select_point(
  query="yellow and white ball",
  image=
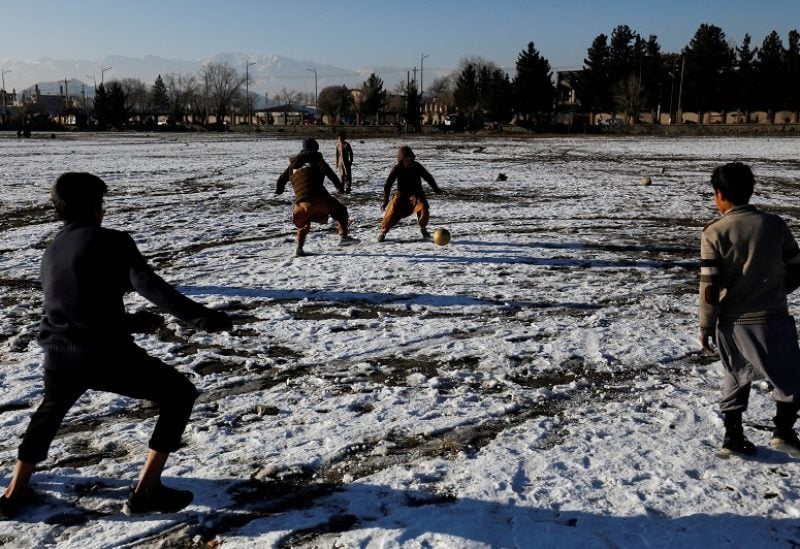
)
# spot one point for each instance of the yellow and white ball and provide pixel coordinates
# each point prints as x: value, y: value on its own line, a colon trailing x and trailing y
x: 441, y: 236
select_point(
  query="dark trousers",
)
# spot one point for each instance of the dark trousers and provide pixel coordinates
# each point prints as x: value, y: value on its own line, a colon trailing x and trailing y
x: 132, y: 373
x: 759, y: 351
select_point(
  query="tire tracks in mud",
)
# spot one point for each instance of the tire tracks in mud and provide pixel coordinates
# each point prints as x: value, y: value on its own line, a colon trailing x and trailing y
x: 270, y: 493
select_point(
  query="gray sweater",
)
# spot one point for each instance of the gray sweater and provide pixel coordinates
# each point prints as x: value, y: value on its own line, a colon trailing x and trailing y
x: 749, y: 263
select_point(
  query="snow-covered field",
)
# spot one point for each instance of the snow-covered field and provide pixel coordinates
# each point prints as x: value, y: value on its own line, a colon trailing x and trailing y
x: 535, y: 383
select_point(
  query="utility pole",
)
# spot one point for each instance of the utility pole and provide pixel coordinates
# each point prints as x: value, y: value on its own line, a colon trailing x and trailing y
x: 3, y: 73
x: 316, y: 95
x: 94, y: 79
x: 680, y: 91
x: 422, y: 58
x: 66, y: 98
x: 247, y: 66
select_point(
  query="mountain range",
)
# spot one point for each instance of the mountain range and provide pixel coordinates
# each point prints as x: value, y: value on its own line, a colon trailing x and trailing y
x: 268, y: 74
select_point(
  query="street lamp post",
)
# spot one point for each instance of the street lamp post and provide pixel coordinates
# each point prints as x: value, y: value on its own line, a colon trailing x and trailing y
x: 422, y: 57
x: 316, y: 95
x: 247, y: 90
x: 103, y: 73
x: 3, y: 73
x: 671, y: 94
x: 680, y: 91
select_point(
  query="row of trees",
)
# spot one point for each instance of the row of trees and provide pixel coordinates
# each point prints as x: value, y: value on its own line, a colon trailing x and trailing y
x: 480, y: 91
x: 213, y: 92
x: 623, y: 73
x: 628, y: 73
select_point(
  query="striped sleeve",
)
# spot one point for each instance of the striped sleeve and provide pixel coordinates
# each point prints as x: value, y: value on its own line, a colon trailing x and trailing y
x: 791, y: 257
x: 710, y: 275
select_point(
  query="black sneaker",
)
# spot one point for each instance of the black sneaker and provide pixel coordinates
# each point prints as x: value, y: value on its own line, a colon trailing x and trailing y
x: 737, y: 444
x: 347, y: 240
x: 160, y: 500
x: 425, y: 234
x: 381, y: 237
x: 10, y: 508
x: 786, y: 441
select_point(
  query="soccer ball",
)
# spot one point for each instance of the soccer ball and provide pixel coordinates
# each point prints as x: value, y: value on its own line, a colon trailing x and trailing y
x: 441, y: 236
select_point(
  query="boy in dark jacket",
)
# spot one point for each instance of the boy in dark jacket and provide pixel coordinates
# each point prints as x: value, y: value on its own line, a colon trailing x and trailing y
x: 749, y: 262
x: 85, y: 334
x: 410, y: 197
x: 312, y: 201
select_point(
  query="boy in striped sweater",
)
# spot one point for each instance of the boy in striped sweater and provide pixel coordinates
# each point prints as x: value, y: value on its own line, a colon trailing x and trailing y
x: 749, y: 263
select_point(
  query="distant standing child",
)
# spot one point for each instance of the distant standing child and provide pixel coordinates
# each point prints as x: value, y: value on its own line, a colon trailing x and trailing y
x: 749, y: 263
x: 85, y: 334
x: 344, y: 162
x: 410, y: 197
x: 312, y: 201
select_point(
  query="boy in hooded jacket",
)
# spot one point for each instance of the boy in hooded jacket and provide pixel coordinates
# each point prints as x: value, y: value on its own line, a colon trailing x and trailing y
x: 410, y: 196
x: 312, y: 201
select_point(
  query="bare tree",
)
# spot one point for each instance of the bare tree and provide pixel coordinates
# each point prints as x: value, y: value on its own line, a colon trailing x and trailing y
x: 287, y: 98
x: 180, y: 88
x: 193, y: 98
x: 222, y: 84
x: 442, y: 91
x: 136, y: 95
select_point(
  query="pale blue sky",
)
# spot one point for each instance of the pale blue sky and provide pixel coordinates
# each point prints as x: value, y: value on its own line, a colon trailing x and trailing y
x: 364, y: 33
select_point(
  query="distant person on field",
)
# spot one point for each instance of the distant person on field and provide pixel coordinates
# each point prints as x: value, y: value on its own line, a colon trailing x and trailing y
x: 410, y: 197
x: 312, y: 201
x: 344, y: 161
x: 749, y: 263
x: 85, y: 334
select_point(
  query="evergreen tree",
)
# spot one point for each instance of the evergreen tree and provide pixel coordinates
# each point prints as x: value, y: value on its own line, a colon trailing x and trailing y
x: 467, y: 93
x: 334, y: 101
x: 770, y: 73
x: 101, y: 107
x: 118, y: 106
x: 671, y: 66
x: 373, y: 96
x: 159, y: 99
x: 533, y: 88
x: 625, y: 50
x: 412, y: 113
x: 496, y: 94
x: 626, y: 58
x: 745, y: 75
x: 594, y: 81
x: 793, y: 71
x: 708, y: 79
x: 652, y: 76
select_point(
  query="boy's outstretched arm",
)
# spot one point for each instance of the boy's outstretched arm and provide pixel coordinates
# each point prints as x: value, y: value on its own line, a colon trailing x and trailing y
x: 156, y: 290
x: 328, y: 171
x: 429, y: 178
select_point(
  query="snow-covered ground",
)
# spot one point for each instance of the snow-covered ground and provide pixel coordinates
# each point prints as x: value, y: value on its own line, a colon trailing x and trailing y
x: 535, y: 383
